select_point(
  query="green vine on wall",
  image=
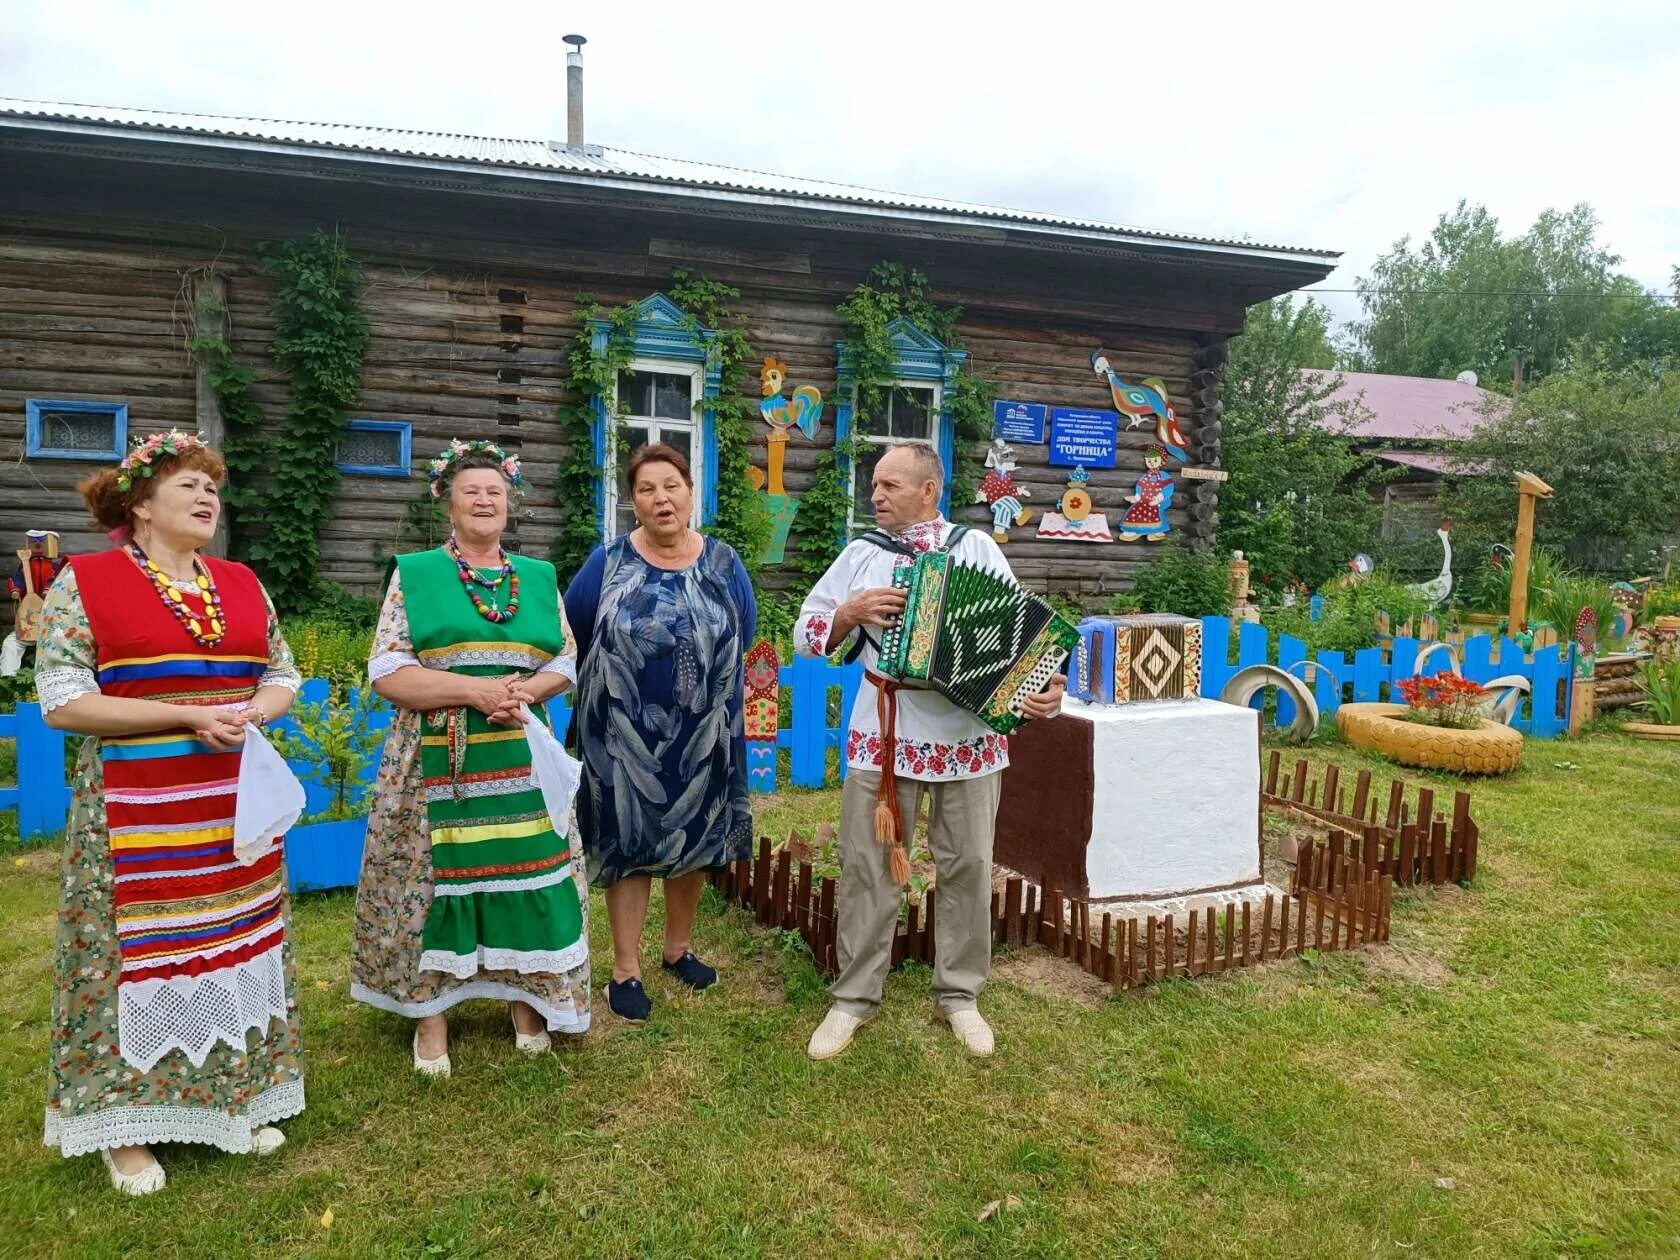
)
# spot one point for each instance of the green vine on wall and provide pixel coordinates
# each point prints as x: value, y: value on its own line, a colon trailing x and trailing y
x: 319, y: 338
x: 244, y: 446
x: 742, y: 519
x: 891, y: 292
x: 589, y: 375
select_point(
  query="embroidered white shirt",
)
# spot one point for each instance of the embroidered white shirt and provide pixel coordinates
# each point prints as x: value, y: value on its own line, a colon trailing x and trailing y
x: 935, y: 739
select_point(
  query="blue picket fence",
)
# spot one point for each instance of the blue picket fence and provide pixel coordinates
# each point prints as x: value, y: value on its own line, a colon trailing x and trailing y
x: 813, y: 685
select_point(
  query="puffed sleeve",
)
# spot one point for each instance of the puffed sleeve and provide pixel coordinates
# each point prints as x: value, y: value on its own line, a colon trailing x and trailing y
x: 282, y: 670
x: 392, y: 647
x: 65, y: 657
x: 816, y: 614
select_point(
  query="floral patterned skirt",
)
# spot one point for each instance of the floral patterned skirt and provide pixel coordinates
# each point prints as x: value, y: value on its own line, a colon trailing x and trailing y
x: 95, y: 1099
x: 395, y: 893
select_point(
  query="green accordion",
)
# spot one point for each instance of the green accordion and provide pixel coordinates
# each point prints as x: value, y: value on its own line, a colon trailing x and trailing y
x: 975, y: 637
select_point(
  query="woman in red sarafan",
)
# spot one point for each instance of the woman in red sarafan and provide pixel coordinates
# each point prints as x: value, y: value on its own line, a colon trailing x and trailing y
x: 175, y: 1013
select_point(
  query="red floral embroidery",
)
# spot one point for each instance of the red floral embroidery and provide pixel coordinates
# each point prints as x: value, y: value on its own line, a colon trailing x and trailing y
x: 815, y: 630
x: 924, y: 757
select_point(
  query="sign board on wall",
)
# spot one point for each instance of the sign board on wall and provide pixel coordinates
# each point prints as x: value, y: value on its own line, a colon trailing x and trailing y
x: 1019, y: 421
x: 1083, y: 437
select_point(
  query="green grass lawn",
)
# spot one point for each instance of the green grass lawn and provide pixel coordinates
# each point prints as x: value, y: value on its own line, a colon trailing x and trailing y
x: 1502, y: 1080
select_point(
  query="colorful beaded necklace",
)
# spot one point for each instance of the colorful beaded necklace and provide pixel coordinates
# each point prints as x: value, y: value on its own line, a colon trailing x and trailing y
x: 213, y: 626
x: 470, y: 578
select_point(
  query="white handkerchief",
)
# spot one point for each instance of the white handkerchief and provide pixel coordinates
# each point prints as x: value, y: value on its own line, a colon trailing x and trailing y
x: 556, y: 771
x: 270, y: 798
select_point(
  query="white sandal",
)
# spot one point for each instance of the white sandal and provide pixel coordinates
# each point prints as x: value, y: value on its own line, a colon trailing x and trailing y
x: 429, y: 1067
x: 530, y: 1043
x: 266, y: 1140
x: 146, y: 1181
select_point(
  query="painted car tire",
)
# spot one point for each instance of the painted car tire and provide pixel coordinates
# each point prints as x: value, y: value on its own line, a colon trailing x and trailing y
x: 1247, y: 683
x: 1491, y: 748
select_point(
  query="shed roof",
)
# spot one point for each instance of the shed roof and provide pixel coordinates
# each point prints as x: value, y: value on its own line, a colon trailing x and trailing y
x: 594, y: 163
x: 1411, y: 408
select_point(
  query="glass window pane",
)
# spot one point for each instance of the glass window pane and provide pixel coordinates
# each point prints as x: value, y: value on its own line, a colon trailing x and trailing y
x: 375, y: 448
x: 911, y: 409
x: 863, y: 470
x: 79, y: 430
x: 673, y: 396
x: 635, y: 393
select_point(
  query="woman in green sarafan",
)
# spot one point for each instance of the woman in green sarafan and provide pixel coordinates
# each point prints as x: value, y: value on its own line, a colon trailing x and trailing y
x: 467, y: 891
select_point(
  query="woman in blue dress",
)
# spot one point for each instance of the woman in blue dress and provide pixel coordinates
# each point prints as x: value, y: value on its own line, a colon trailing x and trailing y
x: 662, y: 617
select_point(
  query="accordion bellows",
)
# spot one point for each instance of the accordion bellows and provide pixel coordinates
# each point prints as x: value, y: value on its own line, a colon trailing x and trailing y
x: 1145, y: 656
x: 975, y: 637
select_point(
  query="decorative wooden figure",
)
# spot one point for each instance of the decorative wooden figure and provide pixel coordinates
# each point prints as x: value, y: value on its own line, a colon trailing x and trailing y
x: 1439, y: 587
x: 1075, y: 518
x: 38, y: 564
x: 1529, y: 488
x: 761, y: 715
x: 1150, y: 499
x: 999, y: 492
x: 804, y: 411
x: 1143, y: 403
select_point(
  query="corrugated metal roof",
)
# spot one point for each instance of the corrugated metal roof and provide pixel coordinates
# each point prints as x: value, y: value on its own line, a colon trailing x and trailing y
x: 1411, y: 408
x: 540, y: 156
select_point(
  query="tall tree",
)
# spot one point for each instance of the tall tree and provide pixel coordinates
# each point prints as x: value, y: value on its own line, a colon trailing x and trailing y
x: 1606, y: 438
x: 1468, y: 297
x: 1298, y: 503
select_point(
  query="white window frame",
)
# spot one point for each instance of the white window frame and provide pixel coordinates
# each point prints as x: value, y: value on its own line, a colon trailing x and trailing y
x: 936, y: 410
x: 656, y: 426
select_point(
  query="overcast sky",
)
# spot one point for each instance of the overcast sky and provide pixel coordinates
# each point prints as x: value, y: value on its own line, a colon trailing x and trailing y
x: 1335, y: 125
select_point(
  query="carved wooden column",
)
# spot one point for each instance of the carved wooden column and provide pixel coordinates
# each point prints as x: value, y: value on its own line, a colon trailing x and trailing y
x: 1205, y: 447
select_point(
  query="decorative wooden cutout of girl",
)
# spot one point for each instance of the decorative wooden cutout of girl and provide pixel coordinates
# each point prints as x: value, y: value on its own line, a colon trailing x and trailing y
x: 1147, y: 517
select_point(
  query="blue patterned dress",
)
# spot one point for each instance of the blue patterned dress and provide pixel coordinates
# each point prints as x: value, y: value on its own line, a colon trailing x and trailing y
x: 659, y: 711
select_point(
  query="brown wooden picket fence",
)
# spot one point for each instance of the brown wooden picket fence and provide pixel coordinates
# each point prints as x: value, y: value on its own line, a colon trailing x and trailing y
x: 1405, y: 839
x: 1336, y: 902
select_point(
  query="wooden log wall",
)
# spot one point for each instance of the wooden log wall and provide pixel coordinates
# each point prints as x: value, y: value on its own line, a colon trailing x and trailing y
x: 472, y: 314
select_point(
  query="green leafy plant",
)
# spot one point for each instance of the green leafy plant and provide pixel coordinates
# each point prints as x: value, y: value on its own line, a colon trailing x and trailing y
x: 1660, y: 601
x: 1349, y: 617
x: 1123, y: 602
x: 1660, y: 681
x: 319, y: 336
x: 244, y: 446
x: 1563, y: 601
x: 18, y: 688
x: 743, y: 520
x: 325, y: 647
x: 590, y: 374
x: 333, y: 746
x: 891, y: 291
x: 1189, y: 583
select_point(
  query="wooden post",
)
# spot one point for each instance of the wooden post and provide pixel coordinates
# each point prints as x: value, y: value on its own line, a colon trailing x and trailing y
x: 1529, y: 488
x: 210, y: 319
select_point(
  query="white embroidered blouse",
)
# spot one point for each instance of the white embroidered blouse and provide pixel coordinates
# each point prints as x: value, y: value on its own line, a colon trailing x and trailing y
x: 935, y: 739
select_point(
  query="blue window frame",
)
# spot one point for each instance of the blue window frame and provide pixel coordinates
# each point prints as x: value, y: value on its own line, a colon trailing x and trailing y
x: 669, y: 355
x: 375, y: 448
x: 56, y: 429
x: 923, y: 374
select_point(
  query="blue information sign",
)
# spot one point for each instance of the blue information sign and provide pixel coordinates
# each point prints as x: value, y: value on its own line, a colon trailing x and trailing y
x: 1019, y: 421
x: 1083, y: 437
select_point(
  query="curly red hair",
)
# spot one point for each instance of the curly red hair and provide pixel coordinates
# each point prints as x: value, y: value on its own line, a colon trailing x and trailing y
x: 113, y: 508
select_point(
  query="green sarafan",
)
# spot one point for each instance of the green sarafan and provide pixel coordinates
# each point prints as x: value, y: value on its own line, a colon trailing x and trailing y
x: 1496, y: 1081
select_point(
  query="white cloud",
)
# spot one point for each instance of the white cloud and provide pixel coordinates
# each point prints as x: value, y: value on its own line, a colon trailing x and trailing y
x: 1323, y: 124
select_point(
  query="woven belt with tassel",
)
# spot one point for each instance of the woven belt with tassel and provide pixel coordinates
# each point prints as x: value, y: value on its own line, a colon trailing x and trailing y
x: 889, y: 821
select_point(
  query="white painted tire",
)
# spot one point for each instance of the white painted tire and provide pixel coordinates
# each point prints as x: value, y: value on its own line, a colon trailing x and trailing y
x: 1508, y: 692
x: 1247, y: 683
x: 1429, y: 649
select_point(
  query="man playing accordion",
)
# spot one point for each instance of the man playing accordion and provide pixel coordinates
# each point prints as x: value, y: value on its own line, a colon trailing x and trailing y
x: 901, y: 742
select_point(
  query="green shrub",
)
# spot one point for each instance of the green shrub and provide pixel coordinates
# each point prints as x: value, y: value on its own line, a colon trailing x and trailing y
x: 1122, y: 603
x: 1562, y: 602
x: 326, y: 648
x: 1349, y: 618
x: 1189, y: 583
x: 1660, y: 601
x: 334, y: 745
x: 1660, y: 681
x: 17, y: 689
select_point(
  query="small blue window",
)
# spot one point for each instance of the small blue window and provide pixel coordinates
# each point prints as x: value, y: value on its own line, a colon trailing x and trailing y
x: 375, y: 448
x: 55, y: 429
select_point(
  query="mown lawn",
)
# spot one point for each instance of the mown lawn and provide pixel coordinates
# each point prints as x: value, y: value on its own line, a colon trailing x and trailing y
x: 1503, y: 1080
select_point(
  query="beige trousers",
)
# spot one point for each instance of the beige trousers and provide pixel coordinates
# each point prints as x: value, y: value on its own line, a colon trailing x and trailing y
x: 961, y: 816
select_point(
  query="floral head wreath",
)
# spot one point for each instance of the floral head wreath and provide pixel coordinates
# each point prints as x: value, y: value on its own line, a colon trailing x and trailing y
x: 509, y: 464
x: 138, y: 462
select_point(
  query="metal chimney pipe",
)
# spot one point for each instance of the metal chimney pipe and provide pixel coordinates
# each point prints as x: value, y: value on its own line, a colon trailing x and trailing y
x: 574, y: 90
